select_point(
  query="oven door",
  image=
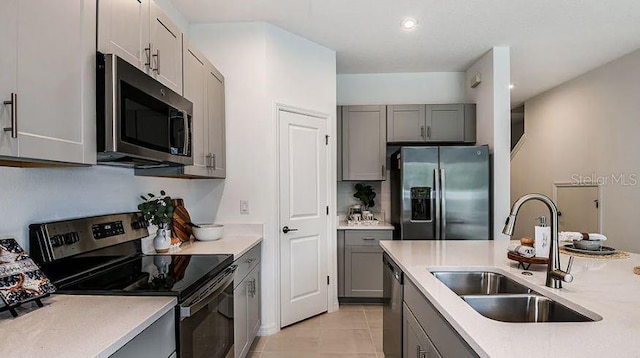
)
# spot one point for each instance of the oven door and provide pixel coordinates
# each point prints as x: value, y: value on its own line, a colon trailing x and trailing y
x: 206, y: 320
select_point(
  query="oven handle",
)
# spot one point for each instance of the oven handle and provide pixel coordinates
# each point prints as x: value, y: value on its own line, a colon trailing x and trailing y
x: 188, y: 311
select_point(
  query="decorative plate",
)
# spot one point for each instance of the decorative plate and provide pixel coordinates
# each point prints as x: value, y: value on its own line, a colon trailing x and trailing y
x: 20, y: 278
x: 604, y: 250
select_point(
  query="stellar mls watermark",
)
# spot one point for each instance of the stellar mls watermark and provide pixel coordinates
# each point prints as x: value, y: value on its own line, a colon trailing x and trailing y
x: 624, y: 179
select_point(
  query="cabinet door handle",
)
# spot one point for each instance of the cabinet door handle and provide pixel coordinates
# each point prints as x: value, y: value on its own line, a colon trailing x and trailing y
x: 368, y: 238
x: 429, y: 132
x: 383, y: 172
x: 13, y: 102
x: 147, y: 52
x: 157, y: 57
x: 253, y: 287
x: 420, y: 352
x: 213, y: 161
x: 422, y: 132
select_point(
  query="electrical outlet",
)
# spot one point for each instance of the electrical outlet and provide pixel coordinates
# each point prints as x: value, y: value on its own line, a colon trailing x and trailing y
x: 244, y: 207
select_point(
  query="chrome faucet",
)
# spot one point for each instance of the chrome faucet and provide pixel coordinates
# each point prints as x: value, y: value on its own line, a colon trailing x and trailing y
x: 555, y: 275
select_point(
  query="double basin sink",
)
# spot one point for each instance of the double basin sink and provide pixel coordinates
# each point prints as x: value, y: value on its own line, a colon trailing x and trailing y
x: 500, y: 298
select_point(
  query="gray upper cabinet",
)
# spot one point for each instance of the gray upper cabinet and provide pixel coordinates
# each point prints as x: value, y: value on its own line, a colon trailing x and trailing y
x: 124, y: 30
x: 418, y: 123
x: 216, y: 121
x: 364, y: 135
x: 406, y: 123
x: 445, y: 123
x: 49, y: 115
x: 140, y: 33
x: 339, y: 142
x: 204, y: 87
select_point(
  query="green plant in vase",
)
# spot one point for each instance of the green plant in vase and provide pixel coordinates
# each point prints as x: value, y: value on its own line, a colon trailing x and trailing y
x: 158, y: 210
x: 365, y: 194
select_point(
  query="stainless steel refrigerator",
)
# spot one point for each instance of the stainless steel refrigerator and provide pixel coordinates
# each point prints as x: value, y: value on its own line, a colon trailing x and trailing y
x: 441, y: 193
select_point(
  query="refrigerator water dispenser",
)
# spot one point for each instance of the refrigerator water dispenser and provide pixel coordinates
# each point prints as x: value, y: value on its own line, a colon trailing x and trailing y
x: 420, y: 203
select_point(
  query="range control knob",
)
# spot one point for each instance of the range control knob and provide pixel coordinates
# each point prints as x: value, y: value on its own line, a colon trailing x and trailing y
x: 56, y: 241
x: 139, y: 224
x: 68, y: 238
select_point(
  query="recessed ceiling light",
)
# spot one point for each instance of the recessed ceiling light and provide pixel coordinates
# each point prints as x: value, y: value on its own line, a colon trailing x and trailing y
x: 409, y: 24
x: 512, y: 86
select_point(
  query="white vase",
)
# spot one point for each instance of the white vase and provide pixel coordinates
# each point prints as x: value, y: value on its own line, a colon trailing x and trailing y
x: 162, y: 242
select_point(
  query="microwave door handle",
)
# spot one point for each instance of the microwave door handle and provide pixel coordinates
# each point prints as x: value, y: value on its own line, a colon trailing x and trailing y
x: 187, y: 137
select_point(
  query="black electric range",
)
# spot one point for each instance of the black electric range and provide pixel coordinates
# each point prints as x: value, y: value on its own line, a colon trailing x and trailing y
x: 102, y: 255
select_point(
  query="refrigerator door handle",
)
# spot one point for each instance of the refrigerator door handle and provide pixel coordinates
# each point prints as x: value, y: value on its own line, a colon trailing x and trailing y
x: 443, y: 202
x: 436, y: 180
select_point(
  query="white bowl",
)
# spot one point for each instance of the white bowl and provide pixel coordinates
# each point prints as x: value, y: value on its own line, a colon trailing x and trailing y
x: 208, y: 232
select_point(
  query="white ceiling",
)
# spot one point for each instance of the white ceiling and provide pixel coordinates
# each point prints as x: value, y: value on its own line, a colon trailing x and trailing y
x: 551, y: 40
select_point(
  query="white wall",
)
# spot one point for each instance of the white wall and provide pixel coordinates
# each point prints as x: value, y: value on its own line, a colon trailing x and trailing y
x: 493, y: 117
x: 36, y: 195
x: 264, y: 66
x: 401, y: 88
x: 585, y: 127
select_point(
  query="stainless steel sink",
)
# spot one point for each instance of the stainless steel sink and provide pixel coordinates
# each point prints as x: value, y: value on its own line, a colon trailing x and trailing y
x: 500, y: 298
x: 523, y: 308
x: 479, y: 283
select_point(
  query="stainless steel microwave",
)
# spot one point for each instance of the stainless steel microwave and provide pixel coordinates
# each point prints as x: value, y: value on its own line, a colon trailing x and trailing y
x: 140, y: 122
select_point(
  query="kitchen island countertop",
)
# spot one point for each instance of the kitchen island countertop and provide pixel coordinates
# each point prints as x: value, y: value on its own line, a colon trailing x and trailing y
x: 79, y: 326
x: 608, y: 288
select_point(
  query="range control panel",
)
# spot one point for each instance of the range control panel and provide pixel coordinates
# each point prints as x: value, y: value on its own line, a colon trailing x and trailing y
x: 60, y: 239
x: 104, y: 230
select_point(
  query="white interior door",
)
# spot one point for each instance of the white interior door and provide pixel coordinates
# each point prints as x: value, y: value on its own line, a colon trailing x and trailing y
x: 579, y: 208
x: 303, y: 202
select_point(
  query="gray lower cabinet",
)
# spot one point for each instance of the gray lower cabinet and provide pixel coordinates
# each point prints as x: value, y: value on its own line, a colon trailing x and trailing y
x: 455, y: 123
x: 157, y: 340
x: 415, y: 342
x: 364, y: 137
x: 428, y: 330
x: 246, y: 301
x: 360, y: 273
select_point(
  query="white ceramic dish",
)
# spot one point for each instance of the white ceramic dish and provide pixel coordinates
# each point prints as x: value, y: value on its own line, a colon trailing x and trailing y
x: 208, y: 232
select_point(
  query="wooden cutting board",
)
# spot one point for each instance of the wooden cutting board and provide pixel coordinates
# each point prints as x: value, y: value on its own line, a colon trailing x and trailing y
x: 179, y: 228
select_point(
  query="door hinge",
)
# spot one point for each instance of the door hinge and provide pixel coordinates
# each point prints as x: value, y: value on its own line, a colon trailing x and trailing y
x: 327, y: 210
x: 326, y: 139
x: 327, y: 280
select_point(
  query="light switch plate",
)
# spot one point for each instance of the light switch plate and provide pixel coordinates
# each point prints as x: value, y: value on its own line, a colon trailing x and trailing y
x: 244, y: 207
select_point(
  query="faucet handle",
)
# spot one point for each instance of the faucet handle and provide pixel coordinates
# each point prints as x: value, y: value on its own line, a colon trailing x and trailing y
x: 570, y: 265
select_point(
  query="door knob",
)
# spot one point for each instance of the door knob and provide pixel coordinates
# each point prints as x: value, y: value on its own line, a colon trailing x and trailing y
x: 286, y: 229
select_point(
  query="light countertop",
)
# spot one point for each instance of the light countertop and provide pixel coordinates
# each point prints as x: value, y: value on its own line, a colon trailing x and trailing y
x: 342, y: 225
x: 607, y: 288
x: 236, y: 240
x: 233, y: 245
x: 79, y: 326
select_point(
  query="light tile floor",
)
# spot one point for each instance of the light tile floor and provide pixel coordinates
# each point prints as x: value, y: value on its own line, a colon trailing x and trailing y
x: 354, y: 331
